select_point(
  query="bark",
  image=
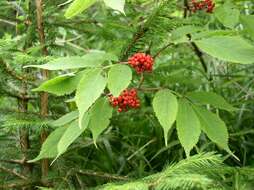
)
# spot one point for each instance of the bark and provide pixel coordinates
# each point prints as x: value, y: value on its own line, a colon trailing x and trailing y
x: 24, y: 139
x: 44, y: 73
x: 23, y: 108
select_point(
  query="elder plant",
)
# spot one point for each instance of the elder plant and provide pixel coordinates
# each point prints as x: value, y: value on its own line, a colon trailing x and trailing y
x: 102, y: 81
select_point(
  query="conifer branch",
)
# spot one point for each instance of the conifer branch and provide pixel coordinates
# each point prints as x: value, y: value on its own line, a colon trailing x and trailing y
x: 136, y: 37
x: 162, y: 49
x: 103, y: 175
x: 13, y: 172
x: 10, y: 71
x: 11, y: 161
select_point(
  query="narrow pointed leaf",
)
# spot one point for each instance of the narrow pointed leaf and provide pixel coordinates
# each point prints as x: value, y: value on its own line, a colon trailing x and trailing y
x: 90, y: 60
x: 71, y: 134
x: 89, y: 90
x: 67, y: 118
x: 248, y: 24
x: 213, y: 127
x: 116, y: 4
x: 188, y: 126
x: 210, y: 98
x: 49, y: 147
x: 228, y: 15
x: 61, y: 85
x: 228, y: 48
x: 100, y: 115
x: 77, y: 7
x: 165, y: 107
x: 119, y: 78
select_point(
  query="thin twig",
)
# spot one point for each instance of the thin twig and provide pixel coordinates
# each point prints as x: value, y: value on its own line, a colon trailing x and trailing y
x: 14, y: 75
x: 13, y: 173
x: 21, y: 184
x: 10, y: 71
x: 15, y: 95
x: 162, y: 49
x: 135, y: 39
x: 141, y: 81
x: 123, y: 62
x: 103, y: 175
x: 151, y: 89
x: 80, y: 182
x: 141, y: 148
x: 10, y: 19
x: 21, y: 162
x: 242, y: 133
x: 8, y: 22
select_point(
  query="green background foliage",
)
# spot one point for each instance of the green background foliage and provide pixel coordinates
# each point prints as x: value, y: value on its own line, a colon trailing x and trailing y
x: 59, y: 62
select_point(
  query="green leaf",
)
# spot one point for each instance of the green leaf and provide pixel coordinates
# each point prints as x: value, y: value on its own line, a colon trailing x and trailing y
x: 89, y: 90
x: 116, y: 4
x: 67, y: 118
x: 228, y: 15
x: 188, y: 126
x: 77, y: 7
x: 248, y: 24
x: 165, y: 107
x: 228, y: 48
x: 212, y: 33
x: 63, y: 63
x: 49, y: 147
x: 61, y: 85
x: 213, y: 127
x: 100, y: 115
x: 91, y: 59
x: 71, y: 134
x: 210, y: 98
x: 119, y: 77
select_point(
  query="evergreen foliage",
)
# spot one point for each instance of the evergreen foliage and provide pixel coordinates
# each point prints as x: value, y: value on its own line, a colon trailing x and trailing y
x: 61, y: 61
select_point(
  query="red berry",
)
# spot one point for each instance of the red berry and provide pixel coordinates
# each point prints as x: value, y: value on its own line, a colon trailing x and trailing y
x: 128, y: 99
x: 207, y: 5
x: 141, y: 62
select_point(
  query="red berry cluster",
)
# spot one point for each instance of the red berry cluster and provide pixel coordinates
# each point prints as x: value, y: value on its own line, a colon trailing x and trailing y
x: 128, y: 99
x: 207, y: 5
x: 141, y: 62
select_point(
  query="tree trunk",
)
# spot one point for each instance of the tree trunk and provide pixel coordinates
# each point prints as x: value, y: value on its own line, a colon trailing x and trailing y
x: 24, y: 139
x: 44, y: 73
